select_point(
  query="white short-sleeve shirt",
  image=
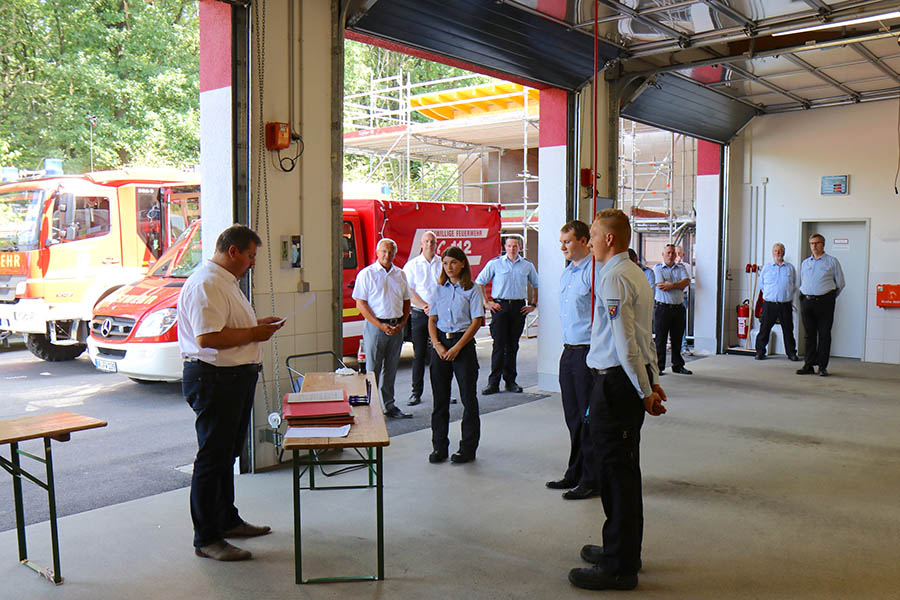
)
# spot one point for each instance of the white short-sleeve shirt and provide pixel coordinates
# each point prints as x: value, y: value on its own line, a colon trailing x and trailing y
x: 423, y: 276
x: 385, y: 291
x: 210, y: 301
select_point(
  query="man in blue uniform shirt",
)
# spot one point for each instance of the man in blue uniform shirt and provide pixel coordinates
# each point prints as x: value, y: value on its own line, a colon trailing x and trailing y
x: 778, y: 282
x: 821, y: 280
x: 669, y: 315
x: 509, y: 276
x: 574, y: 375
x: 623, y: 363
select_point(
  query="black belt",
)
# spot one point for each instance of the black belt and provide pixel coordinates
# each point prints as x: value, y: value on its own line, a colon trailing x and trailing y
x: 667, y: 304
x: 773, y: 302
x: 811, y: 297
x: 610, y: 370
x: 417, y: 309
x: 393, y: 321
x: 576, y: 346
x: 509, y: 299
x: 252, y: 367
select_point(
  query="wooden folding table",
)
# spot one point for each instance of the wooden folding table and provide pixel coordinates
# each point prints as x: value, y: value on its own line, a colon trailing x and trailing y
x: 52, y: 426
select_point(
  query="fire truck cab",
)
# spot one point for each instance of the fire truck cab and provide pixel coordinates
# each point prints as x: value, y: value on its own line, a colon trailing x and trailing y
x: 68, y: 241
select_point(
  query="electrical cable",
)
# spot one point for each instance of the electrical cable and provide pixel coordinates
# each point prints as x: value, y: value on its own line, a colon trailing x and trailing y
x: 897, y: 174
x: 287, y: 163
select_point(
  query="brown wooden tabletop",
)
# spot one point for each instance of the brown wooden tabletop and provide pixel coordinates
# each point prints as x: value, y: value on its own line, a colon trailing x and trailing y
x: 368, y: 429
x: 53, y: 425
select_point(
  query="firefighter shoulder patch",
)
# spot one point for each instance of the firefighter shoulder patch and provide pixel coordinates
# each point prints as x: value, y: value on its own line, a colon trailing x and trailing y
x: 612, y: 307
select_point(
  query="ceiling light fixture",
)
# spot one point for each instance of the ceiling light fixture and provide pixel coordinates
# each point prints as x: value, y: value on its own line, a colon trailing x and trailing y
x: 882, y: 17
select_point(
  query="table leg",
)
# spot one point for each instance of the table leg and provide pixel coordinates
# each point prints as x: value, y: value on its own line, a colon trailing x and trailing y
x: 17, y: 496
x: 379, y: 499
x: 370, y: 466
x: 298, y: 558
x: 312, y: 469
x: 51, y: 493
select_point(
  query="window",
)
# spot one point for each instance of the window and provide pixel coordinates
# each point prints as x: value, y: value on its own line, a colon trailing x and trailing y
x: 80, y: 217
x: 148, y: 224
x: 348, y: 246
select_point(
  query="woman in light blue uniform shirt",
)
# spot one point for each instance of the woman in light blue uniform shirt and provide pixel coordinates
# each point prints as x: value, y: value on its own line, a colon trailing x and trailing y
x: 457, y: 312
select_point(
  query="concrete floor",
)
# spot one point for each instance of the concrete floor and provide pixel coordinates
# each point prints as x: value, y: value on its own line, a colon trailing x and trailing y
x: 758, y: 484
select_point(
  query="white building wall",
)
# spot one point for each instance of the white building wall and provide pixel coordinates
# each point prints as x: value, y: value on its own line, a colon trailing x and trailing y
x: 776, y: 168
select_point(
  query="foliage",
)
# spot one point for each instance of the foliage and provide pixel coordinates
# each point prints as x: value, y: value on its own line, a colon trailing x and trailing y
x: 131, y: 63
x: 363, y: 64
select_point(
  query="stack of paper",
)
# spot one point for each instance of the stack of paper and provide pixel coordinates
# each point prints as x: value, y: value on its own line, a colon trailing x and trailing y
x: 328, y: 408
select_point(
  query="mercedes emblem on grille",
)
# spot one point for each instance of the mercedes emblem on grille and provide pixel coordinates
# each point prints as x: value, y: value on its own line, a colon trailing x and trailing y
x: 106, y: 328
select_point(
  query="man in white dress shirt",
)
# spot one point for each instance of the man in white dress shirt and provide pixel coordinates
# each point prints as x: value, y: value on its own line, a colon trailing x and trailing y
x: 422, y: 273
x: 382, y: 297
x: 219, y: 336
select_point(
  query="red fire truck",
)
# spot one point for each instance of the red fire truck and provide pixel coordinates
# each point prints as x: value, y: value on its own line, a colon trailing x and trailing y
x: 67, y: 241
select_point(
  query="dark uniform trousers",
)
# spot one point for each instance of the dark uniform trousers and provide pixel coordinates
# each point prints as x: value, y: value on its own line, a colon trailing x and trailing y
x: 817, y: 313
x: 780, y: 311
x: 616, y: 417
x: 465, y: 368
x: 418, y: 325
x: 668, y: 321
x: 222, y: 398
x: 506, y: 328
x: 575, y: 382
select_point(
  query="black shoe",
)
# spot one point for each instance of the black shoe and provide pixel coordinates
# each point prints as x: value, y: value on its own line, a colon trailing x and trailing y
x: 794, y: 358
x: 437, y: 457
x: 413, y: 400
x: 453, y: 400
x: 396, y: 413
x: 823, y: 371
x: 580, y: 492
x: 491, y: 389
x: 682, y: 371
x: 561, y: 484
x: 760, y: 357
x: 461, y: 457
x: 661, y: 372
x: 594, y: 555
x: 806, y: 370
x: 596, y: 578
x: 515, y: 388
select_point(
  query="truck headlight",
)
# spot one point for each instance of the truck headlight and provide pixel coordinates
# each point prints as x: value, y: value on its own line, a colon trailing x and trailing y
x: 157, y: 323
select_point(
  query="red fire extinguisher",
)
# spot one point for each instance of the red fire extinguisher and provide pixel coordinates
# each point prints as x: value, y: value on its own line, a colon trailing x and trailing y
x: 743, y: 316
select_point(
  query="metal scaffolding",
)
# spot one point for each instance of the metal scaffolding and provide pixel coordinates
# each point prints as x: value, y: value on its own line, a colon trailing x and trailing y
x: 412, y: 132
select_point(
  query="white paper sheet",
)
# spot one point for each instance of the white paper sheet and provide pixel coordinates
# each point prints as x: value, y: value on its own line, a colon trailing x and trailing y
x: 317, y: 432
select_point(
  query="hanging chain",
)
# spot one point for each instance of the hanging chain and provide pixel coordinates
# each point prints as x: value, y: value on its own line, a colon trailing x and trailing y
x: 261, y: 184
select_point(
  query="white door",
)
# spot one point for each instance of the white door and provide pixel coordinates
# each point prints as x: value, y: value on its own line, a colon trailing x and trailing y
x: 848, y: 242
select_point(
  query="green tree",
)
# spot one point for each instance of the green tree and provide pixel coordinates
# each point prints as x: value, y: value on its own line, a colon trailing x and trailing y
x: 132, y: 64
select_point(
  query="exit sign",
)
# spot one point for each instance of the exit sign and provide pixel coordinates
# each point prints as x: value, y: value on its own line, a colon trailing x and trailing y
x: 835, y: 185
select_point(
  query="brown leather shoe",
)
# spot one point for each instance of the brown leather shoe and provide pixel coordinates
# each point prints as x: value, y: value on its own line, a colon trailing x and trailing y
x: 222, y: 550
x: 247, y: 530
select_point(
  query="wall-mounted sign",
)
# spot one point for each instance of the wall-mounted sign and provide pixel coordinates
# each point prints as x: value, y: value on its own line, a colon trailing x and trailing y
x: 835, y: 185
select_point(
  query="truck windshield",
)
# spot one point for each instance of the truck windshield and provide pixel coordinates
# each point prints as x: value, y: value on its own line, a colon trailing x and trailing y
x: 182, y: 258
x: 20, y: 220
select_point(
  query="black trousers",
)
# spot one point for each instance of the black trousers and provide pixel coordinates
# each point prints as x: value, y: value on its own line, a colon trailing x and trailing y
x: 575, y: 382
x: 817, y: 313
x: 465, y: 369
x: 506, y: 328
x: 616, y: 417
x: 418, y: 324
x: 222, y: 398
x: 773, y: 311
x: 668, y: 321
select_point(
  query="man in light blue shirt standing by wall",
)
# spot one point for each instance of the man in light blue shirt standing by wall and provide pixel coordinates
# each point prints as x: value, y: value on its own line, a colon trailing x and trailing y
x: 575, y: 378
x: 821, y: 280
x: 778, y: 282
x: 509, y: 276
x: 669, y: 315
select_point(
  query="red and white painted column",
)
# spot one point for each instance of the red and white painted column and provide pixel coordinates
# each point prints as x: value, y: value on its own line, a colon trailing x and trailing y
x: 216, y: 144
x: 706, y: 248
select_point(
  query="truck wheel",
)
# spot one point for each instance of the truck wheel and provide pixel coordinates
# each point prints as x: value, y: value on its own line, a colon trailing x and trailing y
x: 40, y: 346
